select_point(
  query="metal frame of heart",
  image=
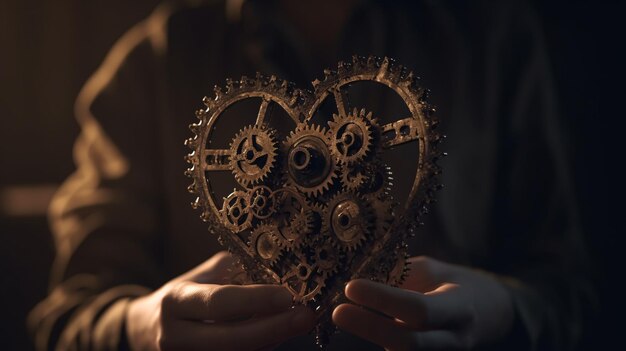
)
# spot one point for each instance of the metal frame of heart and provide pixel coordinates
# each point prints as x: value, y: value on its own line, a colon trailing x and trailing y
x: 315, y: 209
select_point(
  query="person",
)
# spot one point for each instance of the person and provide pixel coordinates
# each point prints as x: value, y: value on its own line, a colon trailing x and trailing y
x: 500, y: 263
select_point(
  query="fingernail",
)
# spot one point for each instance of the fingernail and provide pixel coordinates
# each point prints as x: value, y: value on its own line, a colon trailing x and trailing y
x: 282, y: 299
x: 302, y: 319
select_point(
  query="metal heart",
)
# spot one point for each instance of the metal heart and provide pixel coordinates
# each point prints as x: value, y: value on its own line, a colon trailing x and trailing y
x: 315, y: 205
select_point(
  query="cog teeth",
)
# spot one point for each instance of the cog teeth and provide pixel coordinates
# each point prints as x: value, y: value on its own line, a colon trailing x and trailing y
x: 195, y: 203
x: 189, y: 171
x: 230, y: 86
x: 219, y: 93
x: 192, y: 188
x: 192, y: 142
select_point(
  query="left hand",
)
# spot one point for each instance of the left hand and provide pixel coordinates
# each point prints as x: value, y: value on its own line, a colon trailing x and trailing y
x: 439, y: 306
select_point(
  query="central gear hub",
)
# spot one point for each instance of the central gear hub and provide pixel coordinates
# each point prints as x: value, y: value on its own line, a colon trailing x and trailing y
x: 309, y: 161
x: 352, y: 136
x: 310, y: 165
x: 349, y: 220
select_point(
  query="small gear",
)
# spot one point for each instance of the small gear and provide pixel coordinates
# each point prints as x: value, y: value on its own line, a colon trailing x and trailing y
x: 326, y: 258
x: 378, y: 180
x: 295, y: 219
x: 348, y: 220
x: 261, y: 202
x: 352, y: 178
x: 351, y: 136
x: 265, y: 241
x: 310, y: 166
x: 235, y: 211
x: 303, y: 281
x: 253, y: 154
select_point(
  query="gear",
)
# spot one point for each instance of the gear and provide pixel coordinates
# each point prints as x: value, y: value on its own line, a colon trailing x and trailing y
x: 235, y: 212
x: 378, y: 180
x: 295, y: 220
x: 352, y: 178
x: 261, y: 202
x: 253, y: 154
x: 326, y: 258
x: 303, y: 282
x: 348, y: 220
x: 383, y: 208
x: 351, y: 136
x: 399, y: 268
x: 310, y: 167
x: 265, y: 242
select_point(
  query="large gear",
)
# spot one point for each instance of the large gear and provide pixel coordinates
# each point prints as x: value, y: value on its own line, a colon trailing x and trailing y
x: 352, y: 136
x: 310, y: 167
x: 253, y: 153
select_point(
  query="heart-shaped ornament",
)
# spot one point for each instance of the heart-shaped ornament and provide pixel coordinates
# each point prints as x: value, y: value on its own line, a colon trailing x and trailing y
x: 314, y: 207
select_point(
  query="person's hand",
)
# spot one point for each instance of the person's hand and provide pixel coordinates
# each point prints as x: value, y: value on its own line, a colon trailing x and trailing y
x: 440, y: 306
x: 197, y: 312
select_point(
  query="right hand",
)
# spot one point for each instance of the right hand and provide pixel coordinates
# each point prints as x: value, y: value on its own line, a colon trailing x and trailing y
x: 195, y: 311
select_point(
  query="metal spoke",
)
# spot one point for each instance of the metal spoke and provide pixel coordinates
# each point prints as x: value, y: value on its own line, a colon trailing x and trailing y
x: 399, y: 132
x: 216, y: 159
x: 262, y: 112
x: 341, y: 106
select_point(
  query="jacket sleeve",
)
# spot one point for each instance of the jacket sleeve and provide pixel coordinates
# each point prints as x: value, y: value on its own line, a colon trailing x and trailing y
x: 105, y: 216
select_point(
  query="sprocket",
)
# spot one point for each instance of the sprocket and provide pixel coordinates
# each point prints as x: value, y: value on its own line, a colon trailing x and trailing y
x: 253, y: 154
x: 265, y: 241
x: 352, y: 136
x: 348, y: 221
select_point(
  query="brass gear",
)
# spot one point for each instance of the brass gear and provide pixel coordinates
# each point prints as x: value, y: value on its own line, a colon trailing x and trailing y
x: 348, y: 221
x: 326, y: 258
x: 235, y: 212
x: 399, y: 268
x: 253, y: 153
x: 303, y: 281
x: 310, y: 166
x: 352, y: 178
x: 261, y: 202
x: 378, y: 180
x: 295, y: 221
x: 265, y: 242
x: 351, y: 136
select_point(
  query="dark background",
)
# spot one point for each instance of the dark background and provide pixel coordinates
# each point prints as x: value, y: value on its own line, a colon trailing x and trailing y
x: 48, y: 49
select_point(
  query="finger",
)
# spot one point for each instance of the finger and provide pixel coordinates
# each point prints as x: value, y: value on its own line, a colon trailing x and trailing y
x: 252, y: 334
x: 380, y: 330
x: 224, y: 302
x: 443, y: 308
